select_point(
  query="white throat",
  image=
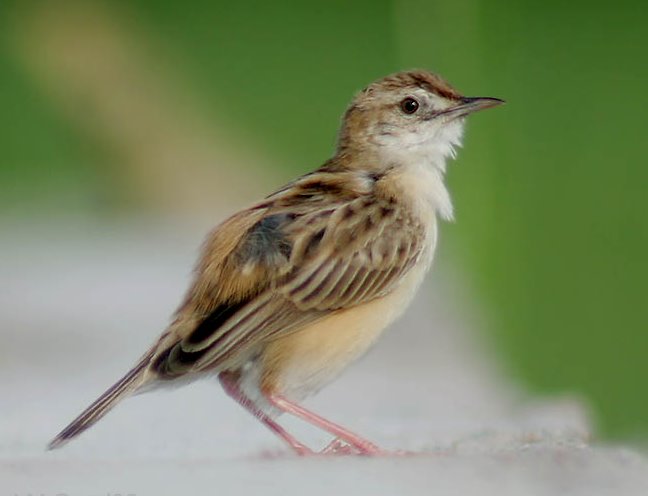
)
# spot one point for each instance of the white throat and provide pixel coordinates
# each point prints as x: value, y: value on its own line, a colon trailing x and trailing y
x: 423, y: 185
x: 421, y: 165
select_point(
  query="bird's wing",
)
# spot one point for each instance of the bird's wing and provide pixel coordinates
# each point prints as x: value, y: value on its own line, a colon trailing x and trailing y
x: 293, y: 264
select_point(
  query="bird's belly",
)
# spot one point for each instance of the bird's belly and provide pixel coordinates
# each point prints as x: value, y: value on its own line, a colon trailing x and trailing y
x: 302, y: 362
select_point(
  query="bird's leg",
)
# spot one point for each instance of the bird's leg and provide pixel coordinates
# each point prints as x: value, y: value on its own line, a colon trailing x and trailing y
x: 363, y: 446
x: 231, y: 387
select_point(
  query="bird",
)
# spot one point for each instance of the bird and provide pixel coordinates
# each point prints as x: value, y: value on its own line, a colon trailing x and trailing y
x: 290, y: 291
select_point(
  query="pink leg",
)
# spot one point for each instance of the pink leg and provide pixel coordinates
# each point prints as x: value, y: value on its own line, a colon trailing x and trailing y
x: 232, y: 389
x: 361, y: 445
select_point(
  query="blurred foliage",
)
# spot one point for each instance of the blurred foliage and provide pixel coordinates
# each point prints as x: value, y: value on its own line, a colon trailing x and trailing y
x: 44, y: 161
x: 551, y: 191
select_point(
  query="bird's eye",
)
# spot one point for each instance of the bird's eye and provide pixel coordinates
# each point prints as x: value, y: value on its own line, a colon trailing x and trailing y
x: 409, y: 105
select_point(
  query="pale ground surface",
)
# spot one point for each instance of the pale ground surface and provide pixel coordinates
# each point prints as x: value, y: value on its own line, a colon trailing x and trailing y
x: 78, y: 304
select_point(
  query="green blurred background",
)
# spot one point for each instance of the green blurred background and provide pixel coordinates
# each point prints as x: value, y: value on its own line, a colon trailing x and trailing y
x: 169, y: 108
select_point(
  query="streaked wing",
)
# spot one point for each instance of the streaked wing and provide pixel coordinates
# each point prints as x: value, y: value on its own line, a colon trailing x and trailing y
x: 309, y: 260
x: 361, y: 253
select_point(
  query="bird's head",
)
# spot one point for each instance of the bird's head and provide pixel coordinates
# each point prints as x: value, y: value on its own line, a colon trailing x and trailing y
x: 408, y: 116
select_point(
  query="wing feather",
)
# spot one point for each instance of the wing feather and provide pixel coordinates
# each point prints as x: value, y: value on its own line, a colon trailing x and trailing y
x: 325, y: 259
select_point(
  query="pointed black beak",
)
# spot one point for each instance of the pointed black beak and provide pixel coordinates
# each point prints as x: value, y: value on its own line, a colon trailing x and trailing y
x: 475, y: 103
x: 469, y: 104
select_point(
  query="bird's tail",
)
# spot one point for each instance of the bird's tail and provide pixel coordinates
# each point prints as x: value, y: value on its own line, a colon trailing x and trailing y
x: 127, y: 385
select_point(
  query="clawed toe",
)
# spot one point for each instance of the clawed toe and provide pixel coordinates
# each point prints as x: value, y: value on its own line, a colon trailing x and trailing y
x: 339, y: 447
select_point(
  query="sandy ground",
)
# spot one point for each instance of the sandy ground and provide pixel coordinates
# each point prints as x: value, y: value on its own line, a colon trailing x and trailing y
x: 79, y: 303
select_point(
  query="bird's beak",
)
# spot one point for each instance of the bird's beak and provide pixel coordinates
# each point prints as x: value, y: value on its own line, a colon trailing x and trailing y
x: 469, y: 104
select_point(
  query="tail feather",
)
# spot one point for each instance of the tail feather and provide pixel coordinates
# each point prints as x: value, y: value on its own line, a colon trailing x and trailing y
x: 128, y: 384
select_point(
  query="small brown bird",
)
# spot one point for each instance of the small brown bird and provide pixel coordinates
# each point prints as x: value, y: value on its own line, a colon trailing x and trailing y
x: 290, y: 291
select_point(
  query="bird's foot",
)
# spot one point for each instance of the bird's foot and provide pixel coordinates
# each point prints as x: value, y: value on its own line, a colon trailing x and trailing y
x: 339, y: 447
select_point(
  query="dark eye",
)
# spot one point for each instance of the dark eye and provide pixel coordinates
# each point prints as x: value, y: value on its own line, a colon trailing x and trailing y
x: 409, y: 105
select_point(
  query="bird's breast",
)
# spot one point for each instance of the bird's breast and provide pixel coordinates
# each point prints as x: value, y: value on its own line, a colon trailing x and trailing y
x: 302, y: 362
x: 420, y: 187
